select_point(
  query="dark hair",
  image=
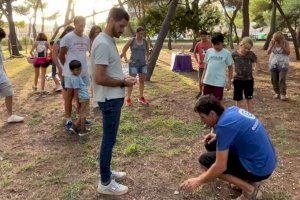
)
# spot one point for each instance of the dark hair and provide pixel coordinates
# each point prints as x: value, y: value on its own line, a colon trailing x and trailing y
x: 118, y: 14
x: 217, y: 38
x: 138, y: 29
x: 78, y: 19
x: 66, y: 31
x: 92, y: 32
x: 2, y: 33
x: 41, y: 37
x: 74, y: 64
x: 203, y: 33
x: 51, y: 42
x: 208, y: 103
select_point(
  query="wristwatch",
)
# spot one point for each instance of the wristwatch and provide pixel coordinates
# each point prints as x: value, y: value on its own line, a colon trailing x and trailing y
x: 123, y: 84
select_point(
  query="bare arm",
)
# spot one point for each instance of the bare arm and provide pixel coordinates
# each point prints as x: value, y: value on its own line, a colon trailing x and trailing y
x: 55, y: 49
x: 48, y: 48
x: 125, y: 48
x: 286, y: 48
x: 101, y: 78
x: 269, y: 50
x: 229, y: 76
x: 203, y: 74
x: 212, y: 173
x: 62, y: 54
x: 195, y: 54
x: 33, y: 48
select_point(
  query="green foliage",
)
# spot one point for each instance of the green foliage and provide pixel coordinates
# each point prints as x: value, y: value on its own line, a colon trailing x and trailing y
x: 72, y: 191
x: 259, y: 11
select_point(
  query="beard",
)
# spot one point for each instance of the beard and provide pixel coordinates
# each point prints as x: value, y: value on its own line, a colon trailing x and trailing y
x: 116, y: 34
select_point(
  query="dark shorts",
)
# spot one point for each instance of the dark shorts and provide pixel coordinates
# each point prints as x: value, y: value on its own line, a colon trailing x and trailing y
x: 216, y: 91
x: 243, y: 87
x: 234, y: 165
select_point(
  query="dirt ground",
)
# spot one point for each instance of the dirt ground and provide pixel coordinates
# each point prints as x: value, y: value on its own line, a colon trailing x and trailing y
x: 158, y: 146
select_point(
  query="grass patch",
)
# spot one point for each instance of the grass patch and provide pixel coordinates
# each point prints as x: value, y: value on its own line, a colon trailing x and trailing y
x: 90, y: 161
x: 6, y: 165
x: 36, y: 119
x: 4, y: 181
x: 72, y: 191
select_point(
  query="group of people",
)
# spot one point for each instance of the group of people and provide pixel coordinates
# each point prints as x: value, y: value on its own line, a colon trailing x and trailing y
x: 214, y: 60
x: 239, y: 148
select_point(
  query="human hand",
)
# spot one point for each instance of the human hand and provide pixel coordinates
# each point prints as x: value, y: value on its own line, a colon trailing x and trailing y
x: 209, y: 138
x: 191, y: 184
x: 129, y: 81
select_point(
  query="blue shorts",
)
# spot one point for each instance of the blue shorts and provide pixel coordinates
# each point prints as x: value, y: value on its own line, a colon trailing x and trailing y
x: 67, y: 82
x: 138, y: 70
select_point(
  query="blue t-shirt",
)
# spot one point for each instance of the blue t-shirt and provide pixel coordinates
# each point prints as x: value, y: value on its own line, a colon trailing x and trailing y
x: 217, y: 63
x: 77, y: 83
x: 243, y: 134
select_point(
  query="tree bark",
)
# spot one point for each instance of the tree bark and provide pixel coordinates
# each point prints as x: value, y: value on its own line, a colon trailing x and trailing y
x: 292, y: 31
x: 246, y: 20
x: 34, y: 19
x: 298, y: 34
x: 12, y: 30
x: 68, y: 12
x: 170, y: 43
x: 272, y: 27
x: 161, y: 37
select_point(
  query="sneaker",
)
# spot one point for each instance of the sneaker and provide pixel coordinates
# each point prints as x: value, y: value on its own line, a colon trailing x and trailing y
x: 34, y: 89
x: 58, y: 88
x: 113, y: 188
x: 128, y: 102
x: 143, y: 101
x: 87, y: 122
x: 83, y: 133
x: 276, y: 96
x: 69, y: 127
x: 283, y: 97
x: 14, y: 119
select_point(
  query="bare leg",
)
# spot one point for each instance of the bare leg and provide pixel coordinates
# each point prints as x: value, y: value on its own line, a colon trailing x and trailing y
x: 142, y: 78
x: 68, y: 102
x: 36, y: 75
x: 8, y: 104
x: 43, y: 74
x: 56, y: 81
x: 249, y: 105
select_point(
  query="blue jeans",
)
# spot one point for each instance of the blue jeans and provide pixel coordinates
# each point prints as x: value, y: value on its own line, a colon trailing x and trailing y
x: 111, y: 112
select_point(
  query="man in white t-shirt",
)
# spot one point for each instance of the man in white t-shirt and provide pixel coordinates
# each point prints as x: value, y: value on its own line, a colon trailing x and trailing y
x: 109, y: 92
x: 74, y: 46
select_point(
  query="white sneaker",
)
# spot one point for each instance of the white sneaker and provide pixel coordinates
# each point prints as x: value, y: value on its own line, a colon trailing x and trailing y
x: 58, y: 88
x: 283, y: 97
x: 117, y: 175
x: 15, y: 118
x: 113, y: 188
x: 276, y: 96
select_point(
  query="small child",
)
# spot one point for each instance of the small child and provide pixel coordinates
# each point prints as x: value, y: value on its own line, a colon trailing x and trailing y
x: 58, y: 86
x: 243, y: 81
x: 217, y: 60
x: 81, y: 93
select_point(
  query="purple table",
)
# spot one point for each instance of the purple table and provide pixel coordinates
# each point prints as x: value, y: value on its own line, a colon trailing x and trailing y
x: 181, y: 63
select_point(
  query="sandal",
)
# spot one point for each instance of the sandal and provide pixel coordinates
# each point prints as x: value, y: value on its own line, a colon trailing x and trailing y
x: 256, y: 194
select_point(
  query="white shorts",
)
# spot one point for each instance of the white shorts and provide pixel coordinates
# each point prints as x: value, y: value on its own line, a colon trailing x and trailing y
x: 6, y: 89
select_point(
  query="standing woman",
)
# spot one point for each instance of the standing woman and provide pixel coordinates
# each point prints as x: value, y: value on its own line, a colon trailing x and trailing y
x: 94, y: 32
x: 138, y: 63
x: 40, y: 47
x: 279, y: 64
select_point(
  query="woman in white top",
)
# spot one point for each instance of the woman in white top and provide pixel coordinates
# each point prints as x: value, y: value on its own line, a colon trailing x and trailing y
x: 40, y: 48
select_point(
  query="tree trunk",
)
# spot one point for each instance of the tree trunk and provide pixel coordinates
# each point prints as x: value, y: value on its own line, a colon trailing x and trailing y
x: 34, y: 19
x: 68, y: 11
x: 246, y: 20
x: 29, y: 28
x: 161, y: 37
x: 298, y: 34
x: 272, y: 27
x: 292, y: 31
x: 170, y: 43
x: 236, y: 34
x: 230, y: 35
x: 12, y: 30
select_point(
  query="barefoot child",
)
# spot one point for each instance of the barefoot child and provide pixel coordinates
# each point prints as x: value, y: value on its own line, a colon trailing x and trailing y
x: 243, y: 81
x: 81, y: 94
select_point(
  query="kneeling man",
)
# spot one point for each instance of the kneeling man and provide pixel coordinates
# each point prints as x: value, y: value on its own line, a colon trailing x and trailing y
x: 239, y: 148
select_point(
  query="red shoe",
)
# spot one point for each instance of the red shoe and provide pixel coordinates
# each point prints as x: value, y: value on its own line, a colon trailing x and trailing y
x: 143, y: 101
x: 128, y: 102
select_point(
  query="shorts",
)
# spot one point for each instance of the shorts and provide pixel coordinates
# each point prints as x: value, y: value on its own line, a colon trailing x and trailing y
x: 138, y: 70
x: 214, y: 90
x: 41, y: 62
x: 200, y: 73
x: 83, y: 109
x: 234, y: 165
x: 53, y: 69
x: 6, y: 89
x: 243, y: 87
x: 67, y: 81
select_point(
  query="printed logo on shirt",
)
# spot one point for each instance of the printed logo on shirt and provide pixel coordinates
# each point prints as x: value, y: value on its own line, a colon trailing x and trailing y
x: 216, y: 57
x: 246, y: 114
